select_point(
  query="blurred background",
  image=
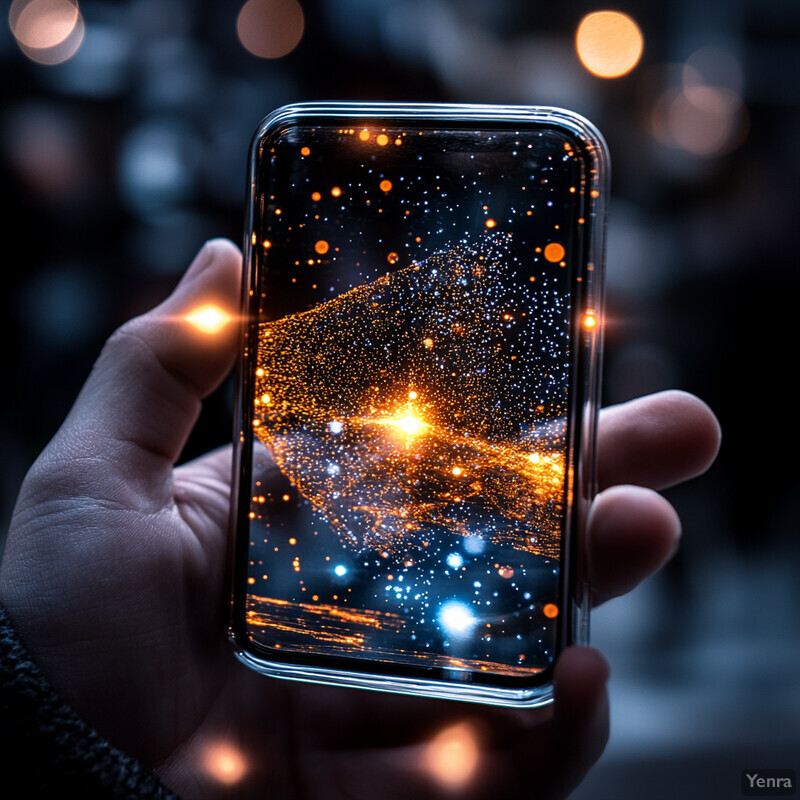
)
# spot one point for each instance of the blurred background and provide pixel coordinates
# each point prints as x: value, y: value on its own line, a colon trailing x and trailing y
x: 123, y: 141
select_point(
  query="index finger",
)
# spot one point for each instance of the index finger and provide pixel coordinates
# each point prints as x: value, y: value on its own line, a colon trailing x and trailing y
x: 656, y: 441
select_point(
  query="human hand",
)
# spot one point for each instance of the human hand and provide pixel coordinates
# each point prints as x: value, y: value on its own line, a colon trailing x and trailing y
x: 114, y: 568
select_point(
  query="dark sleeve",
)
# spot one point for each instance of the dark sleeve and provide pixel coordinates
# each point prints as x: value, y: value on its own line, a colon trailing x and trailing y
x: 46, y: 749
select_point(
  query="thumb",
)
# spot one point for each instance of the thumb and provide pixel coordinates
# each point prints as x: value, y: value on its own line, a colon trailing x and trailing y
x: 143, y: 395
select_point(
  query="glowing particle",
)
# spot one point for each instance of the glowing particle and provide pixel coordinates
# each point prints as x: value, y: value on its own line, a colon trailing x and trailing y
x: 321, y: 247
x: 550, y: 610
x: 340, y: 570
x: 336, y: 191
x: 589, y: 321
x: 409, y: 424
x: 386, y: 185
x: 393, y: 258
x: 490, y: 223
x: 455, y: 560
x: 335, y: 426
x: 554, y: 252
x: 316, y: 196
x: 534, y: 458
x: 505, y: 572
x: 382, y: 139
x: 457, y: 470
x: 266, y: 244
x: 286, y: 498
x: 456, y: 618
x: 412, y: 395
x: 251, y: 581
x: 428, y: 342
x: 363, y: 135
x: 609, y: 43
x: 208, y: 318
x: 305, y: 151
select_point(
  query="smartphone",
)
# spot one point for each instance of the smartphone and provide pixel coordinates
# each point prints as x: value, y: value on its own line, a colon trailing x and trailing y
x: 417, y: 395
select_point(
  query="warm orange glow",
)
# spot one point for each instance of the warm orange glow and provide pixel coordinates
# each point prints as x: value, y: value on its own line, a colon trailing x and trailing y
x: 42, y: 23
x: 382, y: 139
x: 412, y: 395
x: 364, y: 135
x: 589, y: 321
x: 270, y: 28
x: 322, y: 247
x: 609, y: 43
x: 224, y: 763
x: 554, y: 252
x: 386, y: 185
x: 505, y: 572
x: 47, y: 31
x: 305, y: 151
x: 550, y: 610
x: 393, y: 258
x: 452, y: 757
x: 409, y: 423
x: 490, y: 223
x: 336, y: 191
x: 457, y: 470
x: 208, y: 318
x: 316, y: 196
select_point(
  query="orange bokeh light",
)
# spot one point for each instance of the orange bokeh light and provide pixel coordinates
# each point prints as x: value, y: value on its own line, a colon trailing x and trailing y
x: 452, y: 757
x: 609, y: 43
x: 208, y: 318
x: 554, y: 252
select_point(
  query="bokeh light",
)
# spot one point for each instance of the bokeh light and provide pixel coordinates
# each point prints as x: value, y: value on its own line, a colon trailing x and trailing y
x: 47, y: 31
x: 609, y: 43
x: 270, y: 28
x: 224, y: 763
x: 208, y: 318
x: 452, y: 757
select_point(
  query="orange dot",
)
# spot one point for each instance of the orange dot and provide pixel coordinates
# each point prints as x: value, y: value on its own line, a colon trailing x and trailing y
x: 364, y: 135
x: 554, y: 252
x: 490, y: 223
x: 336, y: 191
x: 589, y: 321
x: 382, y: 139
x: 305, y: 151
x: 393, y: 258
x: 550, y: 610
x: 322, y: 247
x: 316, y: 196
x: 386, y: 186
x: 609, y: 43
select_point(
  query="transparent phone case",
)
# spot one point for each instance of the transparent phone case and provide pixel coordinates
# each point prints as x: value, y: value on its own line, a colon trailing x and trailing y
x: 418, y: 394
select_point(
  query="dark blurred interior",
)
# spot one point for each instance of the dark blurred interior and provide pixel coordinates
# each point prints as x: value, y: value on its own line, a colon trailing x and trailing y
x: 123, y: 148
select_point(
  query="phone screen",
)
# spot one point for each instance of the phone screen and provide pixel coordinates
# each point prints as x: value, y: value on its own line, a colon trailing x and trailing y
x: 415, y: 313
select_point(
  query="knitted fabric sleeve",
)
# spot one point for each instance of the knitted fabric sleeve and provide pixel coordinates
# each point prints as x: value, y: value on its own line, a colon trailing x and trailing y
x: 46, y: 744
